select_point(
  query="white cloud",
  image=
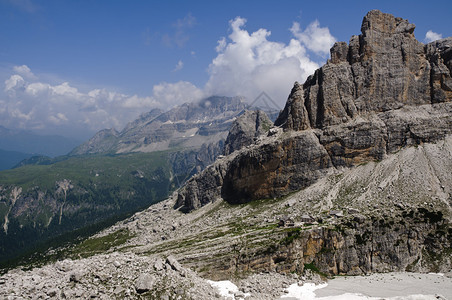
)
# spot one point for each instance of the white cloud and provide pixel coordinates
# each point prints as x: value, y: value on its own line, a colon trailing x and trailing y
x: 24, y: 71
x: 221, y: 44
x: 249, y: 63
x: 136, y: 102
x: 171, y: 94
x: 30, y: 103
x: 66, y: 90
x: 246, y: 64
x: 37, y: 88
x: 13, y: 83
x: 431, y: 36
x: 58, y: 118
x: 179, y: 66
x: 315, y: 38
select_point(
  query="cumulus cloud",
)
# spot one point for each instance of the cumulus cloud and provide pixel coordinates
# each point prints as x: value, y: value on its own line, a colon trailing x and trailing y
x: 171, y: 94
x: 249, y: 63
x: 29, y: 103
x: 15, y: 82
x: 246, y: 64
x: 24, y: 71
x: 315, y: 38
x: 431, y: 36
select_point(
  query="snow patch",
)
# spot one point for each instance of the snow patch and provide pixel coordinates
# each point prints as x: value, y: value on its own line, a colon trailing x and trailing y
x: 226, y: 288
x: 307, y: 292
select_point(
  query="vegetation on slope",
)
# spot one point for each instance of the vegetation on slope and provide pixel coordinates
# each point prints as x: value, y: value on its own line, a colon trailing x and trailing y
x: 40, y: 202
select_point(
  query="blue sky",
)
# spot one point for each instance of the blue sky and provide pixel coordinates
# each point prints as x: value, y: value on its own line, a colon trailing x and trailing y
x: 75, y: 67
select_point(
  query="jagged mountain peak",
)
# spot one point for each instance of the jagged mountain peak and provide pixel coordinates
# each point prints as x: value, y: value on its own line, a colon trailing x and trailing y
x: 384, y: 68
x: 143, y: 119
x: 207, y: 108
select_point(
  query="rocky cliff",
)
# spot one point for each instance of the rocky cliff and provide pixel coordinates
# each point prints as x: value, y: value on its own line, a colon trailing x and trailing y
x: 246, y: 129
x: 382, y: 92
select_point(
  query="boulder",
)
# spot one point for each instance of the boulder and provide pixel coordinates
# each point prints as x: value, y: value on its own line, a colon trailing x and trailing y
x: 144, y: 283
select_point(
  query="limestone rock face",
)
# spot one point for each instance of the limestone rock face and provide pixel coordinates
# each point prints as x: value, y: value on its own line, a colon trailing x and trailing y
x: 245, y: 129
x: 384, y: 68
x: 275, y: 168
x: 382, y: 92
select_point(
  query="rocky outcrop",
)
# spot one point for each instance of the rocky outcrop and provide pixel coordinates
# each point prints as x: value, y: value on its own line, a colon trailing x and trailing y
x: 384, y: 68
x: 391, y: 215
x: 417, y: 240
x: 382, y: 92
x: 274, y: 168
x: 245, y: 129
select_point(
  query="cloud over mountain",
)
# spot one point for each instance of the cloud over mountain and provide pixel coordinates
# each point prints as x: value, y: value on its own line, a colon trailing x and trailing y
x: 431, y: 36
x: 249, y: 63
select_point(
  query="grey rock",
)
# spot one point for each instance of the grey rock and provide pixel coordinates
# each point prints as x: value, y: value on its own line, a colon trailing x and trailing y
x: 75, y: 276
x: 159, y: 265
x: 102, y: 141
x: 245, y: 129
x: 240, y: 178
x: 53, y: 292
x: 186, y: 126
x: 144, y: 283
x: 101, y: 276
x: 175, y: 265
x: 116, y: 263
x: 384, y: 68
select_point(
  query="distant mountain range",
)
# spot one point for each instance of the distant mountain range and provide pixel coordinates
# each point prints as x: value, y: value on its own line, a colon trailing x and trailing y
x: 9, y: 159
x: 354, y: 177
x: 29, y: 142
x: 189, y: 125
x: 16, y: 145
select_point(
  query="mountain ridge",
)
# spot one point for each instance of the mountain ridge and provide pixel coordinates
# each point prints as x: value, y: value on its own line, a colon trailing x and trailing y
x: 188, y: 126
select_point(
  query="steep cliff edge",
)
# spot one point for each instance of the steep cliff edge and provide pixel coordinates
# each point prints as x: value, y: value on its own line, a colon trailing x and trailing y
x: 382, y: 92
x: 384, y: 68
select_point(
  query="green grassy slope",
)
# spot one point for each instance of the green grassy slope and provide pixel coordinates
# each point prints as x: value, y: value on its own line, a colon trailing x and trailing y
x: 34, y: 208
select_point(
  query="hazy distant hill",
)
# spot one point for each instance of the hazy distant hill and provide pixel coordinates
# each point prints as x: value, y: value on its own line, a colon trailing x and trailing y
x: 9, y: 159
x: 29, y: 142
